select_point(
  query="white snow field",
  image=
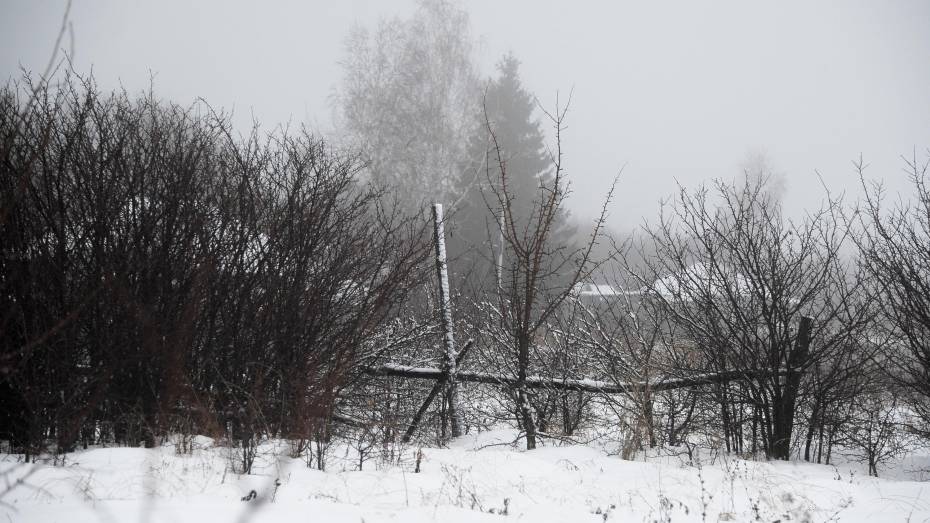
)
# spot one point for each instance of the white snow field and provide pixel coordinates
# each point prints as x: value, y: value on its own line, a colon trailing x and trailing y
x: 473, y: 480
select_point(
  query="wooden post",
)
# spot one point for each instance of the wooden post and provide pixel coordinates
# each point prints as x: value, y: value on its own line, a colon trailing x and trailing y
x: 440, y: 384
x: 445, y: 305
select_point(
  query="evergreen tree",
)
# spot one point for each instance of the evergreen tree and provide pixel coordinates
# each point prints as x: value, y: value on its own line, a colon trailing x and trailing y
x: 508, y: 126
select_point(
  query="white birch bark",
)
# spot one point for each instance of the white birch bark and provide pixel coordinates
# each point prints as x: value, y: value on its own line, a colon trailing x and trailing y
x: 445, y: 305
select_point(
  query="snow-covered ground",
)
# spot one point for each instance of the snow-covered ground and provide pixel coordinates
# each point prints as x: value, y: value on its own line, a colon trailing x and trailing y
x: 476, y: 479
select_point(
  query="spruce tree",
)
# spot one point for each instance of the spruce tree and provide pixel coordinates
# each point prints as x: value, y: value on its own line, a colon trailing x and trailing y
x: 506, y: 125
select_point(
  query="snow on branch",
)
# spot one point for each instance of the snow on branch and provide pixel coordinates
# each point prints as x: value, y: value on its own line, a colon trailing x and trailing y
x: 584, y: 385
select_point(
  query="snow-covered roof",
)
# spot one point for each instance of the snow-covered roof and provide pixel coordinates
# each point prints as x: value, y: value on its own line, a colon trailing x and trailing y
x: 699, y: 279
x: 603, y: 290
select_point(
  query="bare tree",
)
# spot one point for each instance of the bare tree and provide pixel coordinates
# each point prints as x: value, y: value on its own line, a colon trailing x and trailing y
x: 756, y: 293
x: 407, y: 99
x: 874, y: 428
x: 538, y: 273
x: 630, y: 339
x: 896, y: 253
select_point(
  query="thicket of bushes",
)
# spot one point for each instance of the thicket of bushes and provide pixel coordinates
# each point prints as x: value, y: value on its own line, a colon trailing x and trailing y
x: 159, y: 275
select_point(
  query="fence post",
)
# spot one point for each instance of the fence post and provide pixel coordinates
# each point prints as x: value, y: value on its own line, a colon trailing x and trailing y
x: 445, y: 305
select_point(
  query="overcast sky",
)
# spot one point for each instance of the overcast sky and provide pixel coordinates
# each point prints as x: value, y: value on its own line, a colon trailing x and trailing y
x: 672, y: 90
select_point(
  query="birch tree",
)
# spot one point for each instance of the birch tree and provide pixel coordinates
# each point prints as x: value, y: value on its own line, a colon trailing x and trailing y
x: 407, y: 99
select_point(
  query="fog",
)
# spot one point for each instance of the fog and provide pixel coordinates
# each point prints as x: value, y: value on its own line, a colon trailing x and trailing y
x: 269, y: 259
x: 670, y: 92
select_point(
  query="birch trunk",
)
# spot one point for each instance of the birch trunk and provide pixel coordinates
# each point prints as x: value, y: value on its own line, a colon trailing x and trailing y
x: 445, y: 305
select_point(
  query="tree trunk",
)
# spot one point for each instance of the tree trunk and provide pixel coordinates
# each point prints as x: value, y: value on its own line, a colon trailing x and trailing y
x: 523, y: 400
x: 445, y: 303
x: 811, y: 429
x: 526, y: 413
x: 648, y: 417
x: 784, y: 405
x: 725, y: 416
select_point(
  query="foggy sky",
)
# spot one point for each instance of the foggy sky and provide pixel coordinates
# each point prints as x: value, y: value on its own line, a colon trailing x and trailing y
x: 673, y: 90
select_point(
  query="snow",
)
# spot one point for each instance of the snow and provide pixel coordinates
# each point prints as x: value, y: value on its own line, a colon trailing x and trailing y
x: 476, y: 475
x: 594, y: 289
x: 700, y: 279
x: 601, y: 290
